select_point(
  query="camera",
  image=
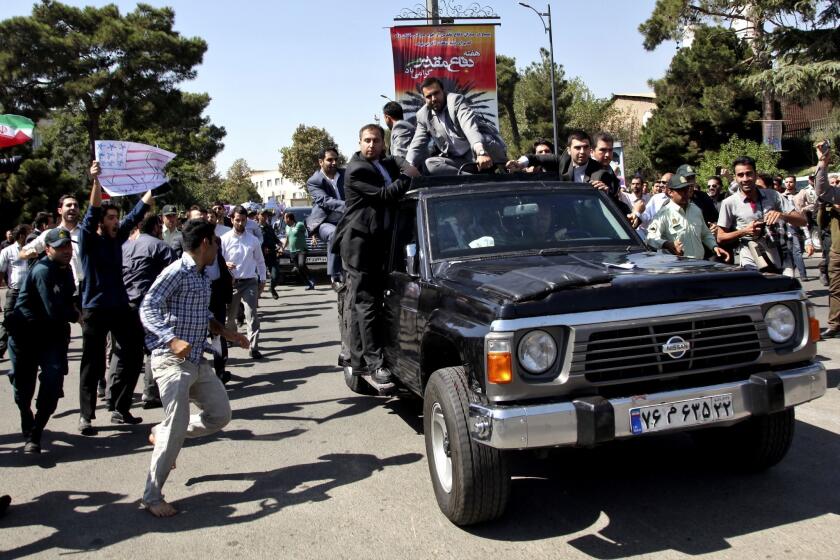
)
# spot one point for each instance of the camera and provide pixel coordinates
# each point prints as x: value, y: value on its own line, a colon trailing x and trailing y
x: 10, y: 164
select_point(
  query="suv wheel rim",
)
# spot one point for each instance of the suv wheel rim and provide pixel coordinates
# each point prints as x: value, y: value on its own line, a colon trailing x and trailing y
x: 440, y: 448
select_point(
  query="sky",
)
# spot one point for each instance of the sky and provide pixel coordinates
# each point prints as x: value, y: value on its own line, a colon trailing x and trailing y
x: 272, y: 65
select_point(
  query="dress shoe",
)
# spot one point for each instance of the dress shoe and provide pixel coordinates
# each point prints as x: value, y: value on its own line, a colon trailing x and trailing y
x: 125, y: 418
x: 311, y: 286
x: 5, y: 501
x: 274, y: 294
x: 255, y: 354
x: 830, y: 332
x: 100, y: 391
x: 338, y: 286
x: 382, y: 376
x: 824, y: 279
x: 32, y: 447
x: 85, y: 427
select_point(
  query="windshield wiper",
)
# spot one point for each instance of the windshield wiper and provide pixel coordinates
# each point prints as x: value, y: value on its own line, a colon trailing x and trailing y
x: 553, y: 251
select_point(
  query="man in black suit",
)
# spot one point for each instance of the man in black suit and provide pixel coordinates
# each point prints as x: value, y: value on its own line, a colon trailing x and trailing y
x: 373, y: 185
x: 326, y: 188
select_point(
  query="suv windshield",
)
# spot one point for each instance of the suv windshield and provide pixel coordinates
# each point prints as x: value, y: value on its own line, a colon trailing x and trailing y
x: 486, y: 223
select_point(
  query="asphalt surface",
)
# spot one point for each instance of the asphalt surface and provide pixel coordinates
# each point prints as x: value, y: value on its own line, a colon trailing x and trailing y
x: 307, y: 469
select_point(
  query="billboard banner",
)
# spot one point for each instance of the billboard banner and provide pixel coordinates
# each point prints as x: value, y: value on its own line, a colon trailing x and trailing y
x: 463, y: 57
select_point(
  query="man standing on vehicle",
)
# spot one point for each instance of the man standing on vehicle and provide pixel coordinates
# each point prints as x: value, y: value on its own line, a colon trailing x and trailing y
x: 449, y: 121
x: 402, y: 131
x: 326, y: 188
x: 374, y: 183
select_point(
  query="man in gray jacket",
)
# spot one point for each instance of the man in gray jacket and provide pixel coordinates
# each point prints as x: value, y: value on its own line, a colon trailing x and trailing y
x: 402, y: 131
x: 449, y: 121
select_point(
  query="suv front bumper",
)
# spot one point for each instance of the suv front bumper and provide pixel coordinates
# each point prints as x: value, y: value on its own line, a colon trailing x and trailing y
x: 591, y: 420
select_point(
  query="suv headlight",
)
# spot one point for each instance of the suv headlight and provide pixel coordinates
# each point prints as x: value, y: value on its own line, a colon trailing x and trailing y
x: 781, y: 323
x: 537, y: 352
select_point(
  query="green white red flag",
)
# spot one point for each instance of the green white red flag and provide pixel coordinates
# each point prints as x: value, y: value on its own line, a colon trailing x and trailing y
x: 15, y: 130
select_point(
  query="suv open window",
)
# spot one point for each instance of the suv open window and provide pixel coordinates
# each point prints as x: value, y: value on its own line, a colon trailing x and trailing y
x: 468, y: 225
x: 405, y: 233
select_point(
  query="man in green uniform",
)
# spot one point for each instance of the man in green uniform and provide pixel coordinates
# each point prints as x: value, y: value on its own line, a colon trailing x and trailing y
x: 678, y: 227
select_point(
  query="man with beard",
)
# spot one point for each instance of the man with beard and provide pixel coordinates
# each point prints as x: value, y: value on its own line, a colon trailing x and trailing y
x: 105, y: 306
x: 68, y: 211
x: 326, y: 188
x: 244, y: 258
x: 40, y: 332
x: 747, y: 214
x: 374, y: 184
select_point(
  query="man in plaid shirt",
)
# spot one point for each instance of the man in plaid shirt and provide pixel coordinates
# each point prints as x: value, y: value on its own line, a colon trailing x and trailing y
x: 176, y: 316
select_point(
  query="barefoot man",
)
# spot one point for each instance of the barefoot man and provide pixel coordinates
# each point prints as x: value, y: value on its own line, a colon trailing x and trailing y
x: 176, y: 316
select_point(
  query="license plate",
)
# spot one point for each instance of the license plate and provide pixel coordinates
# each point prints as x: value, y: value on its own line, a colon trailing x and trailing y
x: 316, y: 259
x: 669, y: 416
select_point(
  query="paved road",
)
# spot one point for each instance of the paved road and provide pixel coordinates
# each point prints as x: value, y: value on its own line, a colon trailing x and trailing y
x: 308, y: 469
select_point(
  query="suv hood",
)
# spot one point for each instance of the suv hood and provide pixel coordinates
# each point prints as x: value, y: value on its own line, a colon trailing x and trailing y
x: 526, y: 285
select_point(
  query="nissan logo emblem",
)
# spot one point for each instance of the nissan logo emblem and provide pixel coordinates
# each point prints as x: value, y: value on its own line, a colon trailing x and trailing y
x: 676, y: 347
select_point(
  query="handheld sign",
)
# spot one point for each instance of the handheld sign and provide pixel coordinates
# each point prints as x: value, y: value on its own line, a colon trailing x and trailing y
x: 129, y: 167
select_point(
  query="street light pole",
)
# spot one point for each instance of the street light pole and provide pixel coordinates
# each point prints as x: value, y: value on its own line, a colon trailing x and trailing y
x: 547, y: 29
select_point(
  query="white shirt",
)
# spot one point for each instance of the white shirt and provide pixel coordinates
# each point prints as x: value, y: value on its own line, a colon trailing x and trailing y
x: 245, y: 251
x: 15, y: 267
x: 221, y: 229
x: 656, y: 202
x: 39, y: 245
x: 578, y: 173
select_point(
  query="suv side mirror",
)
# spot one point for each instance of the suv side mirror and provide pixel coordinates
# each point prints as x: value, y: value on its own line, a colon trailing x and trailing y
x: 411, y: 260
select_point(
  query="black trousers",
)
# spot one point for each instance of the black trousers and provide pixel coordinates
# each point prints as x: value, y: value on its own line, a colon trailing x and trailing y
x: 29, y: 350
x: 11, y: 299
x: 220, y: 315
x: 127, y: 338
x: 365, y: 290
x: 273, y: 267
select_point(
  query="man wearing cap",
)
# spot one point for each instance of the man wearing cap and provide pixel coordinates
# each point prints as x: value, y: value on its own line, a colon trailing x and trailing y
x: 679, y: 226
x: 40, y: 334
x: 170, y: 234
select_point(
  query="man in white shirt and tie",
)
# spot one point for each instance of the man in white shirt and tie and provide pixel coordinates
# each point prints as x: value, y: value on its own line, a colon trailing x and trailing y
x: 243, y: 255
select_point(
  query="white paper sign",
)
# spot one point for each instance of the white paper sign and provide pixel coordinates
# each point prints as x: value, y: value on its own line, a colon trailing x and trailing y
x: 129, y: 167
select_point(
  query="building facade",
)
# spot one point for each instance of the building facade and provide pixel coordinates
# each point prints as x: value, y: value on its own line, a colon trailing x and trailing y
x: 273, y: 186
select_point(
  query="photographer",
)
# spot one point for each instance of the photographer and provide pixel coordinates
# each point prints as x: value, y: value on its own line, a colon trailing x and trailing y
x: 829, y: 194
x: 750, y: 214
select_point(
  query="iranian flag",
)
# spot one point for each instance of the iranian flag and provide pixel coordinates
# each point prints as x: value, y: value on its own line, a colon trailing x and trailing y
x: 15, y: 130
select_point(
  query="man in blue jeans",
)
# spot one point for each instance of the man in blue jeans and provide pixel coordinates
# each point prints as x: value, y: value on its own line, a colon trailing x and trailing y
x: 40, y: 333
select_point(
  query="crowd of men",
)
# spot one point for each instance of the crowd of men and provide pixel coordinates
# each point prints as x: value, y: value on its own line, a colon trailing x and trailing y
x: 153, y: 293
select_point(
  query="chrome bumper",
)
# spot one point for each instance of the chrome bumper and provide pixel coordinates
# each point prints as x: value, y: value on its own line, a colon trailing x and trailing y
x: 591, y: 420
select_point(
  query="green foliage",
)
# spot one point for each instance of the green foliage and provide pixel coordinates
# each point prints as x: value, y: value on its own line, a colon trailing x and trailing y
x: 507, y: 77
x: 796, y: 43
x: 94, y: 59
x: 93, y: 73
x: 533, y: 101
x: 237, y: 187
x: 766, y: 160
x: 300, y: 160
x: 586, y: 111
x: 700, y: 102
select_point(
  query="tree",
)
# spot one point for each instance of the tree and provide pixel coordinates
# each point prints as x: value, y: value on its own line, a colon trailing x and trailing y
x: 94, y: 59
x: 300, y: 160
x: 533, y: 100
x: 507, y: 77
x: 766, y: 160
x: 795, y: 44
x: 700, y: 101
x: 237, y: 187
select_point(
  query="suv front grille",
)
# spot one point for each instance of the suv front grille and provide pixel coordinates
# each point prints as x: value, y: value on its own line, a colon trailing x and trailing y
x: 626, y: 354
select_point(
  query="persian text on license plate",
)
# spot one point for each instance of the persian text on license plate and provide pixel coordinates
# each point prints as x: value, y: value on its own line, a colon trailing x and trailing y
x: 316, y: 260
x: 678, y: 414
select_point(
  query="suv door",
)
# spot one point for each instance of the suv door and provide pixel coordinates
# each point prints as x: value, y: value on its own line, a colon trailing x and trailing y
x: 402, y: 295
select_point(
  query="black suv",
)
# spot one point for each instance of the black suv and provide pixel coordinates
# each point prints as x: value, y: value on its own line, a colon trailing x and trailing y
x: 528, y: 314
x: 316, y: 257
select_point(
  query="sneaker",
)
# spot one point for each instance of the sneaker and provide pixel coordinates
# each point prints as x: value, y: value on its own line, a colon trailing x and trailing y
x: 125, y: 418
x: 256, y: 354
x: 32, y: 447
x: 152, y: 403
x: 311, y: 286
x: 85, y: 427
x: 382, y: 376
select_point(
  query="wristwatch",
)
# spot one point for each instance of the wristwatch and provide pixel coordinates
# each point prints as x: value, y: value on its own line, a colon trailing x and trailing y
x: 480, y: 153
